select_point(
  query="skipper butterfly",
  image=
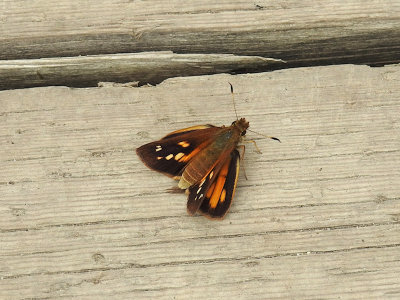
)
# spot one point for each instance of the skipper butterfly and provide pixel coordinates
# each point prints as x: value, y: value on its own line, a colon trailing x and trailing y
x: 204, y: 159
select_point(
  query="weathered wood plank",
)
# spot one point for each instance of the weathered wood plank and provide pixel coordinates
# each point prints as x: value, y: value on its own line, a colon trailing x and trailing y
x: 80, y: 216
x: 148, y: 67
x: 300, y: 32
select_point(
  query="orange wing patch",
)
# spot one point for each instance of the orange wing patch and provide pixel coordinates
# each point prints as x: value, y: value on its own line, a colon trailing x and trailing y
x: 186, y: 158
x: 219, y: 185
x: 210, y: 191
x: 218, y: 197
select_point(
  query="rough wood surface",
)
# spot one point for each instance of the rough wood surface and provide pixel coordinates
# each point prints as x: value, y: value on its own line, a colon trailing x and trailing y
x: 318, y: 218
x: 148, y: 67
x: 302, y: 32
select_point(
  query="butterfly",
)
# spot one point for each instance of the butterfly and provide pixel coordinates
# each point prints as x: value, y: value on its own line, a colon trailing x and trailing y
x: 205, y: 159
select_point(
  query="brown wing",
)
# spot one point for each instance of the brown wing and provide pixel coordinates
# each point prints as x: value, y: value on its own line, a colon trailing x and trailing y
x: 187, y: 130
x: 213, y: 196
x: 172, y: 153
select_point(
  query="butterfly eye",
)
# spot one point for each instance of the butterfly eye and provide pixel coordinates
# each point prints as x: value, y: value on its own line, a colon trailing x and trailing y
x: 243, y: 133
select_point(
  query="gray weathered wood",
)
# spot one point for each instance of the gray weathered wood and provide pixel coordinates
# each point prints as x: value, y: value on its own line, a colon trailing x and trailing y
x: 318, y: 218
x: 302, y: 32
x: 148, y: 67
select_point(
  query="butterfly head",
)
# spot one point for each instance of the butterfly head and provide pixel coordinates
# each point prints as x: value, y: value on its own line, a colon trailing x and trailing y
x: 242, y: 125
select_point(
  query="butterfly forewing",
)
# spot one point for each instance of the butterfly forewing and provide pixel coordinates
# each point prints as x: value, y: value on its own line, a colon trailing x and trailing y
x: 198, y: 192
x: 221, y: 188
x: 187, y: 130
x: 173, y: 152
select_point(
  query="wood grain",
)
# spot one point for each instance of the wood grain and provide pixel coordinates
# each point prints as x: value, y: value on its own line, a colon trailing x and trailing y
x: 303, y: 33
x: 148, y: 67
x: 318, y: 218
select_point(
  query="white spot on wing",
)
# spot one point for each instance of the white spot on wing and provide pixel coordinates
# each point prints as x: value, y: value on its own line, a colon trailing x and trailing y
x: 169, y: 157
x: 158, y: 148
x: 179, y: 155
x: 184, y: 144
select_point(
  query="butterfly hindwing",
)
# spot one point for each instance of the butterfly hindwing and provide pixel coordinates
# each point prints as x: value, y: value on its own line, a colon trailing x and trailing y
x: 213, y: 197
x: 172, y: 153
x: 218, y: 201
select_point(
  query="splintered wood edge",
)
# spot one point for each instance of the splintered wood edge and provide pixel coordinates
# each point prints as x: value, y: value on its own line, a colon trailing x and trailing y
x: 146, y: 67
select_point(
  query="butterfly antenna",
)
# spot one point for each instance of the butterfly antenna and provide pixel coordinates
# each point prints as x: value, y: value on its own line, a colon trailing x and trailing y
x: 267, y: 136
x: 237, y: 118
x: 233, y: 100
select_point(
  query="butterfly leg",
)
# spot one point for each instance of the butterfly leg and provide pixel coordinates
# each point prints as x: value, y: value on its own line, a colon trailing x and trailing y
x: 255, y: 145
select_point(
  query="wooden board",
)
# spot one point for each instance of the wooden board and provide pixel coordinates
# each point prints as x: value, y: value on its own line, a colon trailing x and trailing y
x: 318, y: 218
x: 301, y: 32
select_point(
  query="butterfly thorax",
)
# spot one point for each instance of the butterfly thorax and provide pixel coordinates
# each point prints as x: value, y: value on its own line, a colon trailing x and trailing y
x: 218, y: 150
